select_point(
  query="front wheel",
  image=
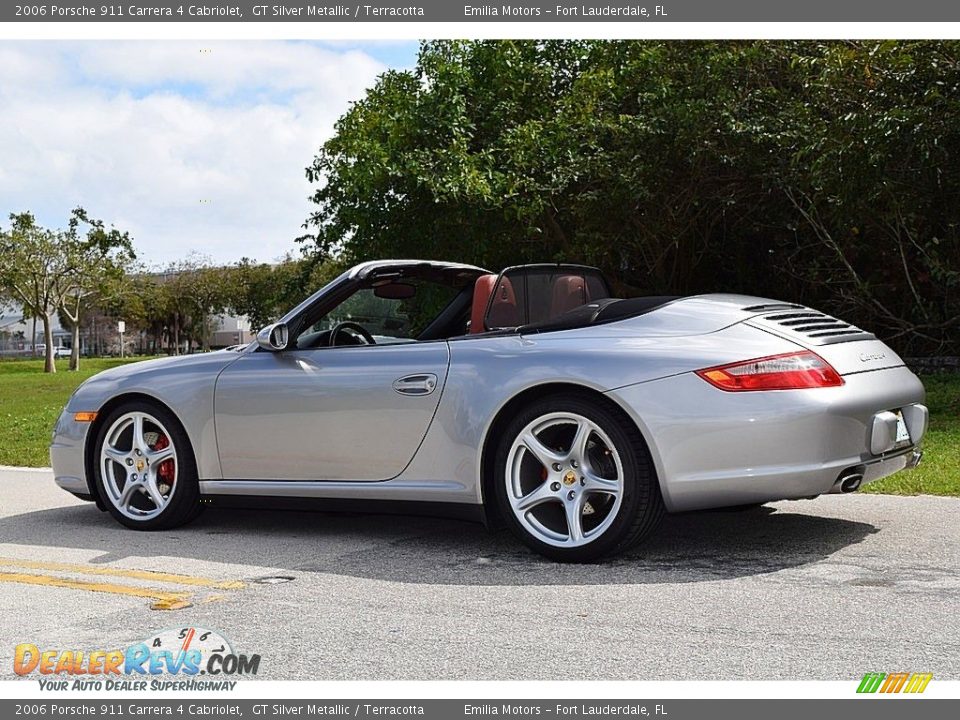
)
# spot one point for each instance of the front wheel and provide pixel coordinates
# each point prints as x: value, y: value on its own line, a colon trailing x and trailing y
x: 145, y: 469
x: 574, y: 480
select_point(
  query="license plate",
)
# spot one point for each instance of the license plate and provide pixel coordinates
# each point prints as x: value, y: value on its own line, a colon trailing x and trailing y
x: 903, y: 435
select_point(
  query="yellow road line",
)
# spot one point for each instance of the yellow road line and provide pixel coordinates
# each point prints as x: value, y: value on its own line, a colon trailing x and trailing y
x: 120, y: 572
x: 50, y: 581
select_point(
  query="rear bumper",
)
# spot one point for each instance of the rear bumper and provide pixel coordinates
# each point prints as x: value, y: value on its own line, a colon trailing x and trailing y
x: 856, y: 477
x: 713, y: 449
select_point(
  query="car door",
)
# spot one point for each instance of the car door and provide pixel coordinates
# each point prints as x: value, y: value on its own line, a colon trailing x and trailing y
x: 354, y: 413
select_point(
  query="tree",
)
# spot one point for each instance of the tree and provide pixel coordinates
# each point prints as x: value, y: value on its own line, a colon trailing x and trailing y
x: 31, y: 266
x: 207, y: 294
x: 263, y: 292
x: 252, y: 292
x: 50, y: 271
x: 818, y: 172
x: 191, y: 292
x: 99, y: 258
x: 874, y: 188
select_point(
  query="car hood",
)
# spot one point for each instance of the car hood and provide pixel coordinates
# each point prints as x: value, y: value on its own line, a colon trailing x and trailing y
x: 217, y: 357
x: 152, y: 377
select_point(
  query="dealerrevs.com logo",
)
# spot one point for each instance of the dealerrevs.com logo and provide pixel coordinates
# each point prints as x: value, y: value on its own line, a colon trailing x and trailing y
x: 184, y: 653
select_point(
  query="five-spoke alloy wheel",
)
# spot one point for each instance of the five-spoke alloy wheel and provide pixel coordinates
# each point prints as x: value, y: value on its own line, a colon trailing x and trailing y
x: 146, y: 473
x: 575, y: 481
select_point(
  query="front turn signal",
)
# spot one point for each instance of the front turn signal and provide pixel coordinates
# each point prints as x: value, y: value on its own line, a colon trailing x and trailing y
x: 84, y: 416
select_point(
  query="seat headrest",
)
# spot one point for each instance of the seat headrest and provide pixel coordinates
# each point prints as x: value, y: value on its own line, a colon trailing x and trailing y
x: 569, y: 292
x: 503, y: 308
x: 481, y: 298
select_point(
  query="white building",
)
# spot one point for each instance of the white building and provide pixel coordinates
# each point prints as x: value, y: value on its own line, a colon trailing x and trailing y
x: 16, y: 331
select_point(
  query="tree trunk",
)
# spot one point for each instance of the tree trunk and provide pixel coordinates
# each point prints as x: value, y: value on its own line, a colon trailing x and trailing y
x: 33, y: 338
x: 75, y: 350
x: 206, y: 337
x: 48, y: 364
x: 75, y: 333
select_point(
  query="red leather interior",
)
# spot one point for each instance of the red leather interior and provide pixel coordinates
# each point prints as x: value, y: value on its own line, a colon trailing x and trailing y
x: 481, y: 297
x: 497, y: 303
x: 569, y: 292
x: 503, y: 307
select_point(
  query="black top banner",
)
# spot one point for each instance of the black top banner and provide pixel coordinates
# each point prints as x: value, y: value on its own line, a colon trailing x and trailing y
x: 480, y: 11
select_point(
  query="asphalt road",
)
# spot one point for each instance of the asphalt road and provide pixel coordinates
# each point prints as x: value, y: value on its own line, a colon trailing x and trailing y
x: 824, y: 589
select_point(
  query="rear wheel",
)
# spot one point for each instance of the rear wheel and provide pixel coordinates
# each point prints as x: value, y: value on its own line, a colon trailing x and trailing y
x: 574, y: 480
x: 145, y: 469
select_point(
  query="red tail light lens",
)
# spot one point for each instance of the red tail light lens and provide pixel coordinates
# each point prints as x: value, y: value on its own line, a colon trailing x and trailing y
x: 791, y: 371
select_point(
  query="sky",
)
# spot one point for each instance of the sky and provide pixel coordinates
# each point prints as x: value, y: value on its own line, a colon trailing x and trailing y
x: 192, y: 147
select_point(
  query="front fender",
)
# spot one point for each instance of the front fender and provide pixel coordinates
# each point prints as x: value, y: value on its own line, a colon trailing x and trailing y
x: 183, y: 384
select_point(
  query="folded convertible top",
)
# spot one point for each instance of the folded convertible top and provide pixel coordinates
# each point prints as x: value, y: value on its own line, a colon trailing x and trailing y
x: 601, y: 311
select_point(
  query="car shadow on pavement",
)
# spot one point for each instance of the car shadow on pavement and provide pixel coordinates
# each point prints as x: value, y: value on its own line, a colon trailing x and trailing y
x: 690, y: 547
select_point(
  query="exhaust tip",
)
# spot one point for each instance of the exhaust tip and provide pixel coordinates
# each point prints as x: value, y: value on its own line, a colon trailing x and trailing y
x: 849, y: 483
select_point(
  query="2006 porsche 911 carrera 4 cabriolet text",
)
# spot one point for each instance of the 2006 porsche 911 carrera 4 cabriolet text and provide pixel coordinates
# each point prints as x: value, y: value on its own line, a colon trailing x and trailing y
x: 532, y: 397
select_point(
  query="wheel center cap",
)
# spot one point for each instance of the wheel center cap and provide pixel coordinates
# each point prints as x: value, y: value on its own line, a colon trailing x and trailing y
x: 140, y: 465
x: 570, y: 478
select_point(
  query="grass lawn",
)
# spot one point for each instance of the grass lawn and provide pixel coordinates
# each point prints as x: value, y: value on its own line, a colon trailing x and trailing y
x: 939, y: 473
x: 30, y: 402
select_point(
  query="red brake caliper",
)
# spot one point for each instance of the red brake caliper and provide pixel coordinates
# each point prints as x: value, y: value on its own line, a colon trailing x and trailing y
x: 165, y: 471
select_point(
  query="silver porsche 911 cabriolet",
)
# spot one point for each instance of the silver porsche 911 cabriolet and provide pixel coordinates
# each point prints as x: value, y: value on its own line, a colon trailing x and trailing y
x: 531, y: 398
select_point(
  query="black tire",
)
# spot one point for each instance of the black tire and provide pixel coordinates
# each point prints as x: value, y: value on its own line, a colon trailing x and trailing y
x: 184, y: 505
x: 641, y: 508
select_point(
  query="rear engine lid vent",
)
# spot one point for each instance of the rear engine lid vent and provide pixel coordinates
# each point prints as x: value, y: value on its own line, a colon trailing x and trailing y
x: 814, y: 328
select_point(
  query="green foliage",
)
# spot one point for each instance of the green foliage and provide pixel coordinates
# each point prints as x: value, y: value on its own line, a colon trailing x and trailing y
x: 822, y: 172
x: 57, y: 271
x: 178, y: 304
x: 100, y: 258
x: 263, y: 292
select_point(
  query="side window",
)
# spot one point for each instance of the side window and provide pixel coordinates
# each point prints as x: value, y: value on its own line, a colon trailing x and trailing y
x: 388, y: 313
x: 386, y: 319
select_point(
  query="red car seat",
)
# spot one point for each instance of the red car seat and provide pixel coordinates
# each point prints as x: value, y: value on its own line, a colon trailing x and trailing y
x: 569, y: 292
x: 503, y: 307
x: 481, y: 297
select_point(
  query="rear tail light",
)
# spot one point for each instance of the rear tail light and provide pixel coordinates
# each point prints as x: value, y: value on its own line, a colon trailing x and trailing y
x: 790, y: 371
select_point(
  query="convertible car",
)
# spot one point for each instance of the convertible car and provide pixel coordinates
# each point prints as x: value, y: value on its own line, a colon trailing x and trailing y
x: 530, y: 398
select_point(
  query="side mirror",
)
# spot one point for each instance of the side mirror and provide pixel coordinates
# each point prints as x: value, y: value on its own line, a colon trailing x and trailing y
x: 274, y: 337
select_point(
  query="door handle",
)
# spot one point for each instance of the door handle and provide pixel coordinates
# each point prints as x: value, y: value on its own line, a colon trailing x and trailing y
x: 420, y: 384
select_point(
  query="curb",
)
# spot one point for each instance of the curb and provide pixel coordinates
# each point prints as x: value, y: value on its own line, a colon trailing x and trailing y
x: 15, y: 468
